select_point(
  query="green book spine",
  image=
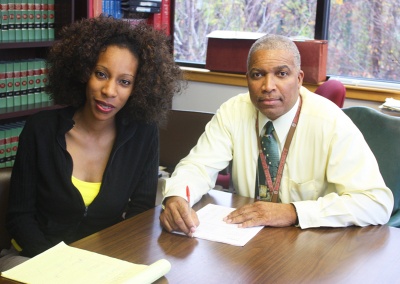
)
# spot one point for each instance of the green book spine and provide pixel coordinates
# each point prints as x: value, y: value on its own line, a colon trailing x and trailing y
x: 17, y: 85
x: 18, y: 20
x: 31, y: 20
x: 50, y: 19
x: 37, y: 21
x: 3, y: 85
x: 38, y: 81
x: 10, y: 84
x: 31, y: 82
x: 24, y: 20
x: 2, y: 147
x: 4, y: 20
x: 43, y: 74
x: 16, y: 129
x: 24, y: 83
x: 11, y: 20
x: 44, y: 24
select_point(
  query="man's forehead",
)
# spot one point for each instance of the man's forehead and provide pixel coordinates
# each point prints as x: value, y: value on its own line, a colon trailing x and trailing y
x: 275, y: 58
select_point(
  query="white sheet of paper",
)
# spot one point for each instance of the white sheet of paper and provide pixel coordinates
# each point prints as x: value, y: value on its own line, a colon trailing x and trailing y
x: 64, y: 264
x: 213, y: 228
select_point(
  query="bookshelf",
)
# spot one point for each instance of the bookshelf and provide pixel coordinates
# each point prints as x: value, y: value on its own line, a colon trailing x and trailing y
x: 21, y: 45
x: 65, y: 12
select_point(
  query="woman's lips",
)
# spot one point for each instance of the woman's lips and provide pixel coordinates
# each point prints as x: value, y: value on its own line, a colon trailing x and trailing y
x: 104, y: 107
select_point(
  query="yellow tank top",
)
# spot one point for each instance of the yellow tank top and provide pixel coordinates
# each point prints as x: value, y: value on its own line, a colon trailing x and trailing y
x: 88, y: 190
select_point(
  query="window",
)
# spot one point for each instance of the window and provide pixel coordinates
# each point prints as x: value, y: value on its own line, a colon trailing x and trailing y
x: 363, y: 36
x: 364, y: 39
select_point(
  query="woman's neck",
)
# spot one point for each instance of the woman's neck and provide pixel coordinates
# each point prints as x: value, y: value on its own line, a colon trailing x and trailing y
x: 88, y: 124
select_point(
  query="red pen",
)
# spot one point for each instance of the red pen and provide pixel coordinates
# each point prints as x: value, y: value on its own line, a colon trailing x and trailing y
x: 188, y: 196
x: 189, y: 209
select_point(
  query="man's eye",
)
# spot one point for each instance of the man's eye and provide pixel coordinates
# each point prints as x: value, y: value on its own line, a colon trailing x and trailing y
x: 283, y: 74
x: 256, y: 75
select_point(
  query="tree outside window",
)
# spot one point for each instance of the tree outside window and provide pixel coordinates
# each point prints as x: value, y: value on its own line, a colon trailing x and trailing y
x: 364, y: 35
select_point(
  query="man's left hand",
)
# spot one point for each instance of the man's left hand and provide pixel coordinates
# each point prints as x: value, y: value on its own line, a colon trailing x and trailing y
x: 263, y: 213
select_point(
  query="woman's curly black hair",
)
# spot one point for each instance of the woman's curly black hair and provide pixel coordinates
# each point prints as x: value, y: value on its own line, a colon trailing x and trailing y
x: 72, y: 59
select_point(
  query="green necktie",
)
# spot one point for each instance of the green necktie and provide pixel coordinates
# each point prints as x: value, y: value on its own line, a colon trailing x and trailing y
x: 270, y: 149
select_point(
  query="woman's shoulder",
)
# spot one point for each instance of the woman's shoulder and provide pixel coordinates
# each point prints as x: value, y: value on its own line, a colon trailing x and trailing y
x: 47, y: 118
x: 130, y: 128
x: 53, y: 112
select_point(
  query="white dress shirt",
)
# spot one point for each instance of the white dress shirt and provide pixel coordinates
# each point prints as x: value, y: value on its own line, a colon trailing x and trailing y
x: 330, y: 175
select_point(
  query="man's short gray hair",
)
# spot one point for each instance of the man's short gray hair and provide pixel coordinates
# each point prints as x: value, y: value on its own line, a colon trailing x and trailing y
x: 274, y: 42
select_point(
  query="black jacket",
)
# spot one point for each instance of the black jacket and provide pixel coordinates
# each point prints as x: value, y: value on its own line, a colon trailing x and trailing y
x: 46, y: 208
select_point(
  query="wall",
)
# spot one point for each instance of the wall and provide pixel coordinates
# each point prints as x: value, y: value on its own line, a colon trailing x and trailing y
x: 208, y: 97
x: 205, y: 97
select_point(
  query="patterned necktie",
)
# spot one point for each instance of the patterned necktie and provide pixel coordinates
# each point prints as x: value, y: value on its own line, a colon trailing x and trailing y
x: 269, y: 146
x: 270, y: 149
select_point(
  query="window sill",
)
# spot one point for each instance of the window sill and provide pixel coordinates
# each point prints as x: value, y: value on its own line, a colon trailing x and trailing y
x: 352, y: 92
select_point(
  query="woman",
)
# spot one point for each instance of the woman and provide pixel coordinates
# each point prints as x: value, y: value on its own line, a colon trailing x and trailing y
x: 81, y: 168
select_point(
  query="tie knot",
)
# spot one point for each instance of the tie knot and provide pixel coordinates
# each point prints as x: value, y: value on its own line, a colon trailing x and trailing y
x: 269, y: 128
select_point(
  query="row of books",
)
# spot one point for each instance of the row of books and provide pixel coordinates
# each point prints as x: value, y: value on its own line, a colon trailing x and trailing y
x: 121, y: 8
x: 112, y: 8
x: 22, y: 83
x: 153, y: 12
x: 141, y: 6
x: 9, y: 137
x: 26, y: 20
x: 162, y: 20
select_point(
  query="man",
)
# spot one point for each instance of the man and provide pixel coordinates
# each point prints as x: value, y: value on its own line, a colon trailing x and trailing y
x: 328, y: 177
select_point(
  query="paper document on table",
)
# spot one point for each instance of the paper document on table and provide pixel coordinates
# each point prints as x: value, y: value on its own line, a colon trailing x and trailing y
x: 213, y: 228
x: 64, y: 264
x: 391, y: 104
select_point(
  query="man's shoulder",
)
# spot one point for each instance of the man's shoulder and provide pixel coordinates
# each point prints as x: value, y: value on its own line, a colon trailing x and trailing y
x: 322, y: 113
x: 236, y: 112
x: 317, y: 104
x: 239, y: 102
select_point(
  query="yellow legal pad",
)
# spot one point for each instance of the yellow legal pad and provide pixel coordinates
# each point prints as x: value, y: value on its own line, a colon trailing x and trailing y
x: 64, y: 264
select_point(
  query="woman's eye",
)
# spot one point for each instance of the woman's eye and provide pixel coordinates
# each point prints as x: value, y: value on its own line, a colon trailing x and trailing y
x: 100, y: 74
x: 125, y: 82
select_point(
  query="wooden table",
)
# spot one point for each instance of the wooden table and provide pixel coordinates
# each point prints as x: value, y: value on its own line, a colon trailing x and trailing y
x: 274, y: 255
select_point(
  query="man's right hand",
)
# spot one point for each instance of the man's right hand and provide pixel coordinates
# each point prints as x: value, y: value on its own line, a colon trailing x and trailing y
x: 176, y: 216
